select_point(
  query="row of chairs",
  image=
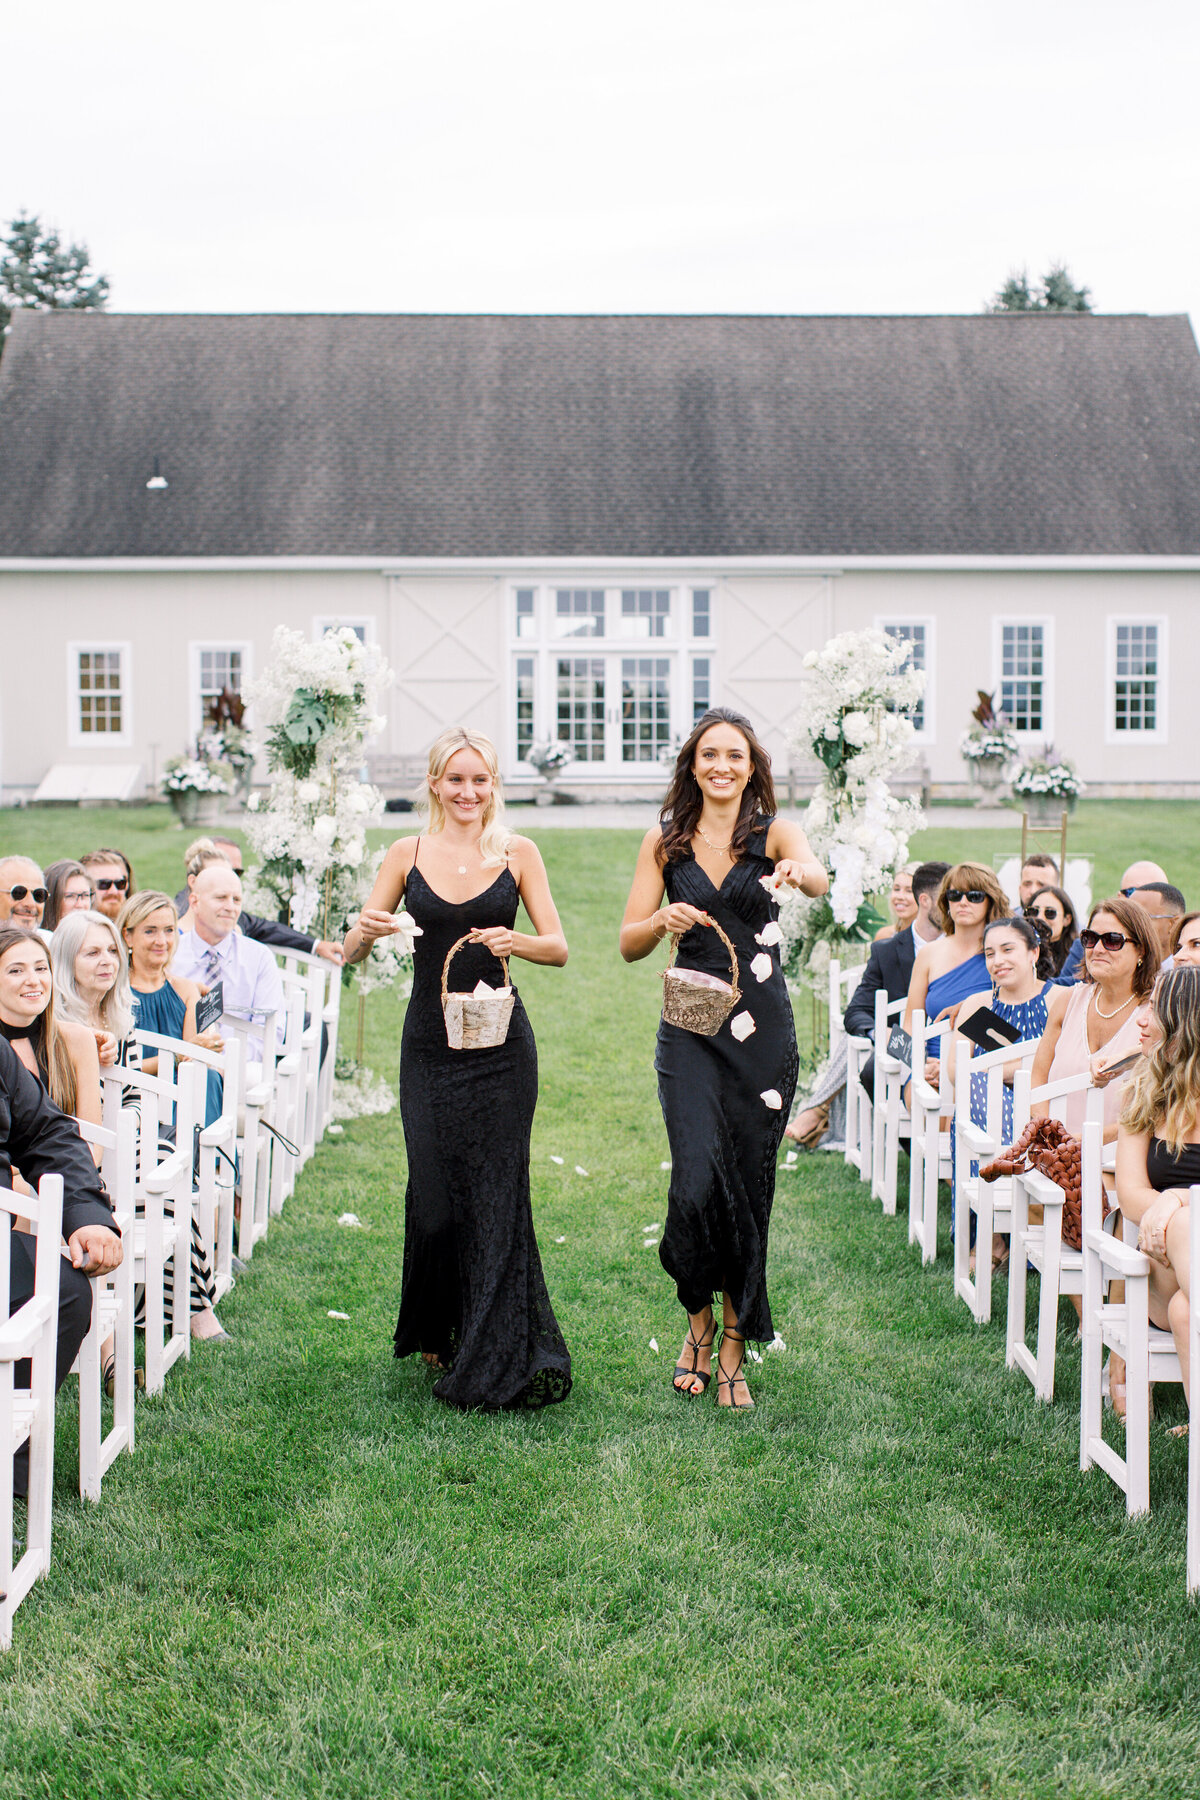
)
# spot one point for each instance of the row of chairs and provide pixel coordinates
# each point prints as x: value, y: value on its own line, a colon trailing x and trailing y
x: 1108, y: 1274
x: 163, y: 1168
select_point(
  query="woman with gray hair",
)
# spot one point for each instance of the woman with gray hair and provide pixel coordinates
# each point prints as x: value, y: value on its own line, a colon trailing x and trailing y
x: 91, y: 977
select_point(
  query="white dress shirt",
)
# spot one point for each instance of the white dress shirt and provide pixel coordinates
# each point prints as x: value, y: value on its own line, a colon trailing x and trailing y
x: 251, y: 983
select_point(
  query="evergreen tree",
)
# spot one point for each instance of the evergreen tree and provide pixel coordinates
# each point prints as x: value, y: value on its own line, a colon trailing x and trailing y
x: 1056, y: 293
x: 37, y: 269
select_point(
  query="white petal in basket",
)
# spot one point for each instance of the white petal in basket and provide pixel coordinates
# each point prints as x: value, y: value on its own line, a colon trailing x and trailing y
x: 772, y: 1098
x: 741, y: 1025
x: 481, y: 990
x: 771, y: 933
x: 762, y: 966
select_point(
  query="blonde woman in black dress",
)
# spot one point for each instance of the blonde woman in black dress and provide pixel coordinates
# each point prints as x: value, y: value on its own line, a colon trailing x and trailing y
x: 473, y: 1298
x: 725, y: 1098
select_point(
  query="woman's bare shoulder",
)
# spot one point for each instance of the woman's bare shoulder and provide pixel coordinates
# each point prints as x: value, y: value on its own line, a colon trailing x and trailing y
x: 78, y: 1038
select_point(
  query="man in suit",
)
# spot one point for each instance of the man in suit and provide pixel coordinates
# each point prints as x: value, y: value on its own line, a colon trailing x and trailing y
x: 41, y: 1140
x: 890, y: 963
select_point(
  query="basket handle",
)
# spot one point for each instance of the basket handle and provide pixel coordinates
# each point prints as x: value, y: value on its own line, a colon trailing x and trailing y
x: 713, y: 926
x: 453, y: 952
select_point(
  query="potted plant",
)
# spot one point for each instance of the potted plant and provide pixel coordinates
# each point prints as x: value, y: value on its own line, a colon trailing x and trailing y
x: 1047, y: 785
x: 226, y: 740
x: 548, y: 756
x: 192, y: 784
x: 988, y: 747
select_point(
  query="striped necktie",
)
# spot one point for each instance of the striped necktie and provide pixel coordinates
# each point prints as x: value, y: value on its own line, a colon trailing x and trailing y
x: 212, y: 966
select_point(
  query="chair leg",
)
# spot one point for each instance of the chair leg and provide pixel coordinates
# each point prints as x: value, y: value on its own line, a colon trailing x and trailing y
x: 1137, y: 1399
x: 1047, y: 1338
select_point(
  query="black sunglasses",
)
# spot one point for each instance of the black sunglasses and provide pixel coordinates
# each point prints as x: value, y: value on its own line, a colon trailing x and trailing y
x: 975, y: 895
x: 1112, y: 940
x: 20, y: 893
x: 120, y: 882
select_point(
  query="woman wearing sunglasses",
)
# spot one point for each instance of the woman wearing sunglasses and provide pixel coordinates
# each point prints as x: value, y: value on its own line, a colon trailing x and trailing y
x: 1053, y: 906
x: 952, y: 968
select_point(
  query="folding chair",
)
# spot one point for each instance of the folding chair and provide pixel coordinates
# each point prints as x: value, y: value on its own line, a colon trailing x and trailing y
x: 929, y: 1154
x: 990, y: 1201
x: 891, y: 1116
x: 214, y: 1147
x: 112, y: 1316
x: 860, y: 1114
x: 27, y: 1414
x: 312, y: 971
x: 260, y: 1056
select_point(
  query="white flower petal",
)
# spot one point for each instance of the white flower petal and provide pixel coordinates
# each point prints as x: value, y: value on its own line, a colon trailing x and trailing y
x: 741, y: 1025
x: 335, y: 1130
x: 755, y: 1356
x: 664, y: 1165
x: 772, y: 1098
x: 771, y: 933
x: 649, y: 1243
x: 762, y: 966
x: 561, y: 1240
x: 558, y: 1159
x: 777, y: 1343
x: 336, y: 1315
x: 580, y: 1171
x: 654, y: 1344
x: 655, y: 1227
x: 349, y: 1219
x: 790, y: 1160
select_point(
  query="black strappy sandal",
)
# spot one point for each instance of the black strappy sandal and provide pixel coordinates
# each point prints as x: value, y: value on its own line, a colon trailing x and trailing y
x: 731, y: 1381
x: 108, y: 1376
x: 695, y: 1373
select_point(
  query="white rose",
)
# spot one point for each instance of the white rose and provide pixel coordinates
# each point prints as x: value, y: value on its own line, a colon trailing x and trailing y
x: 856, y: 728
x: 831, y: 731
x: 811, y: 660
x: 324, y: 830
x: 308, y: 792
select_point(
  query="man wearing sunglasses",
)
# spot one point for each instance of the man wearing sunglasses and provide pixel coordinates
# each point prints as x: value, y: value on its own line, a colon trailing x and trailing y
x: 22, y: 892
x: 111, y: 876
x: 1137, y: 875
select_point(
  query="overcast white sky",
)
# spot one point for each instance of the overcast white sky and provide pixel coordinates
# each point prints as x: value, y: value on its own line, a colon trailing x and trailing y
x: 639, y: 155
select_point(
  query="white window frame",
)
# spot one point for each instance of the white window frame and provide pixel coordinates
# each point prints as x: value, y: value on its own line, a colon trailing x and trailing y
x: 928, y: 731
x: 1131, y: 739
x: 1045, y: 731
x: 77, y: 738
x: 196, y: 648
x: 323, y: 622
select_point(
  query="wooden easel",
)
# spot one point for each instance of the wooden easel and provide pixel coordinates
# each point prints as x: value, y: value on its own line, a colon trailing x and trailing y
x: 1032, y: 831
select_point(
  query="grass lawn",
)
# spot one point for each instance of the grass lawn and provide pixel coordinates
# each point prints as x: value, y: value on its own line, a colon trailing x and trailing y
x: 889, y: 1579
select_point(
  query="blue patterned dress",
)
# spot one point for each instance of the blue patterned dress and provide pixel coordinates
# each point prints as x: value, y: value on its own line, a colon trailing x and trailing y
x: 1030, y: 1020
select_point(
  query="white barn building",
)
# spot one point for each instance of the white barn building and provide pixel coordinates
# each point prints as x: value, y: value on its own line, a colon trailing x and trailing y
x: 591, y: 528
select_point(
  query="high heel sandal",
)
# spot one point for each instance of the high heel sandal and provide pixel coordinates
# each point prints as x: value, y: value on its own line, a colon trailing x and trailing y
x: 695, y: 1373
x: 108, y: 1377
x: 731, y: 1381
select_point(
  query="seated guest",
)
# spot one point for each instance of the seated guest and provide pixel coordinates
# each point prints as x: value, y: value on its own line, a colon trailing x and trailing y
x: 1037, y: 872
x: 901, y: 905
x: 1185, y: 941
x: 1158, y: 1155
x: 60, y: 1052
x: 22, y: 892
x: 40, y: 1139
x: 162, y: 1001
x: 68, y: 889
x: 1137, y: 875
x: 890, y: 963
x: 92, y: 982
x: 111, y: 875
x: 1166, y: 906
x: 264, y: 931
x: 215, y: 950
x: 1055, y: 909
x: 948, y: 971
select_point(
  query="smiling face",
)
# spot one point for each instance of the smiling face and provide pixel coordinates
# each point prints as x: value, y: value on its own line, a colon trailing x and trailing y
x: 151, y: 945
x: 1188, y: 952
x: 1010, y: 960
x: 1114, y: 967
x: 1045, y: 906
x: 904, y: 907
x: 722, y: 764
x: 464, y: 787
x: 216, y: 901
x: 25, y: 983
x: 96, y: 965
x: 111, y: 881
x: 20, y: 909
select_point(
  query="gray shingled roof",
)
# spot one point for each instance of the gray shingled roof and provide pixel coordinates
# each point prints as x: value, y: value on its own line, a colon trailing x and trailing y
x: 392, y: 436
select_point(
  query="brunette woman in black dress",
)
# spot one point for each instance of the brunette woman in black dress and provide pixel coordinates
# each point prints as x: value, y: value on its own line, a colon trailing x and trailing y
x: 725, y: 1098
x: 473, y: 1298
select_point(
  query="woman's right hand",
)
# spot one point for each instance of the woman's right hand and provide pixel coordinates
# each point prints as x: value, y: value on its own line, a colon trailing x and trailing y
x: 209, y: 1040
x: 373, y: 924
x: 679, y: 917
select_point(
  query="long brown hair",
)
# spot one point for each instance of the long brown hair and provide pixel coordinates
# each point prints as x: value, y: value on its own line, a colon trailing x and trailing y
x: 1137, y: 925
x: 1166, y: 1090
x: 684, y: 802
x: 49, y: 1046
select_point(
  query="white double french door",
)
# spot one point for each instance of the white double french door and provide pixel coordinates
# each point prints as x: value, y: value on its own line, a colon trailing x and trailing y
x: 616, y: 709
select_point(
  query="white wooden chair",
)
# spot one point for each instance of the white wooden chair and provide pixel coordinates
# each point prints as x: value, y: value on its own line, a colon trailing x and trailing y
x: 891, y: 1116
x: 929, y: 1152
x: 314, y: 972
x: 1193, y: 1476
x: 27, y: 1414
x: 990, y: 1201
x: 843, y: 980
x: 286, y: 1118
x: 860, y: 1113
x: 1124, y: 1328
x: 260, y: 1055
x: 112, y: 1316
x: 1059, y: 1268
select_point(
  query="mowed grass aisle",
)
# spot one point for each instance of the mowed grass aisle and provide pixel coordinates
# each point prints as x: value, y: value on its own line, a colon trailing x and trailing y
x: 888, y: 1579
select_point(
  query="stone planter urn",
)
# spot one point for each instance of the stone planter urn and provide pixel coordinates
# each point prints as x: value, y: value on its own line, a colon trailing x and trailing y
x: 987, y: 776
x: 208, y: 808
x: 1046, y: 809
x: 185, y: 804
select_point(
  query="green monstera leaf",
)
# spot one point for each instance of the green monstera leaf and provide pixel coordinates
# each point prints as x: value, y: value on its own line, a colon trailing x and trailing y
x: 306, y: 720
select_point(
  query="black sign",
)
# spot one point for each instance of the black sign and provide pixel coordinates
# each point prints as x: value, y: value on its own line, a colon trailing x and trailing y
x: 987, y: 1029
x: 209, y: 1007
x: 900, y: 1046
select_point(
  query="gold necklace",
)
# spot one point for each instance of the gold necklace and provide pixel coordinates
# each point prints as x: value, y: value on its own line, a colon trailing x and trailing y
x: 721, y: 849
x: 1112, y: 1015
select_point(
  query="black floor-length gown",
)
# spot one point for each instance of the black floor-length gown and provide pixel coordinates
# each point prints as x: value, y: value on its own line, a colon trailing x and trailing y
x: 724, y: 1136
x: 473, y: 1290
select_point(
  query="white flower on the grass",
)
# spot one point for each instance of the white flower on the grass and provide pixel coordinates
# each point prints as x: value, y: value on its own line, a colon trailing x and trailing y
x: 772, y: 1098
x: 771, y: 933
x: 580, y: 1171
x: 349, y: 1219
x: 558, y: 1159
x: 741, y: 1025
x: 777, y: 1343
x: 561, y: 1240
x: 664, y: 1165
x: 335, y: 1130
x: 754, y: 1353
x: 649, y: 1243
x: 655, y: 1227
x: 762, y: 966
x: 337, y: 1315
x: 790, y: 1160
x: 654, y: 1345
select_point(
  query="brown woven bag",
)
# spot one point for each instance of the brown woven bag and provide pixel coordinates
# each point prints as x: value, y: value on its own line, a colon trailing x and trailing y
x: 694, y: 1000
x: 475, y: 1021
x: 1054, y: 1153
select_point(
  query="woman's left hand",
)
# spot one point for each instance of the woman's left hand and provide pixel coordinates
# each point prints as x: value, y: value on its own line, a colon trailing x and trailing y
x: 497, y: 938
x: 1152, y: 1232
x: 106, y: 1048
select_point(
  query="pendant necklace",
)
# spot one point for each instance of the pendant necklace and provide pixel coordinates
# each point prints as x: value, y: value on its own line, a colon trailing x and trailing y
x: 721, y: 849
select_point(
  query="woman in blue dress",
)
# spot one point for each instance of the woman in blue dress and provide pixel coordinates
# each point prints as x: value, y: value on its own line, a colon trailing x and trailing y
x: 952, y: 968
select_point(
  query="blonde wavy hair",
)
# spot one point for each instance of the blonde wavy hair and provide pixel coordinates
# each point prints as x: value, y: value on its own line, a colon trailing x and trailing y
x: 116, y: 1008
x: 494, y: 841
x: 1164, y: 1096
x: 150, y: 900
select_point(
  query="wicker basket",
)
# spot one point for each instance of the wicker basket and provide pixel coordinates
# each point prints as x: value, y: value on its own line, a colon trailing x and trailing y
x: 696, y: 1001
x: 475, y: 1021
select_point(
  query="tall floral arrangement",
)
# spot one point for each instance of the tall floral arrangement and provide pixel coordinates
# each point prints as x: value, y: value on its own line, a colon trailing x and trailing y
x: 317, y: 706
x: 858, y: 695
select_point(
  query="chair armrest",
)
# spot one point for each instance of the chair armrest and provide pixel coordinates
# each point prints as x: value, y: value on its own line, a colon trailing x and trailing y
x: 219, y: 1132
x: 160, y: 1179
x: 288, y: 1065
x: 978, y: 1141
x: 928, y: 1096
x: 19, y: 1335
x: 1040, y: 1188
x: 258, y: 1096
x: 888, y: 1065
x: 1117, y: 1255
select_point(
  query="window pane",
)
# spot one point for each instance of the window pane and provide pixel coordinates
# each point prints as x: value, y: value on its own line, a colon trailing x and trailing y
x: 1135, y: 692
x: 219, y: 669
x: 579, y: 612
x: 524, y: 705
x: 915, y: 637
x: 701, y: 686
x: 526, y: 620
x: 645, y: 707
x: 645, y: 612
x: 1022, y: 668
x: 579, y: 704
x: 99, y: 689
x: 701, y: 612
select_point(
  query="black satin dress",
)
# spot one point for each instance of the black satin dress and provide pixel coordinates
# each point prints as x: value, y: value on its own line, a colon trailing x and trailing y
x: 473, y: 1290
x: 724, y: 1137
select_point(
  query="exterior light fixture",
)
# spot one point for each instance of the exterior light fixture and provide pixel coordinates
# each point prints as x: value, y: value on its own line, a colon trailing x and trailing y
x: 158, y: 480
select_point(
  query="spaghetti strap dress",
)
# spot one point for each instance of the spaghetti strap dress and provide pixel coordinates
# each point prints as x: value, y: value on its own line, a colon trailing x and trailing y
x: 472, y: 1291
x: 724, y: 1136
